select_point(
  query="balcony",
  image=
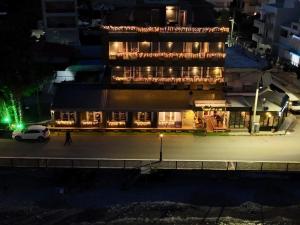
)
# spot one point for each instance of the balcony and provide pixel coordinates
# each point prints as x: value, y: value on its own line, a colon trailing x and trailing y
x: 129, y: 33
x: 259, y: 24
x: 168, y: 80
x: 163, y: 58
x: 258, y: 38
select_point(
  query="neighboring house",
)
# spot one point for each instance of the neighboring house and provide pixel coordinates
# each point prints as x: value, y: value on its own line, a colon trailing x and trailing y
x: 272, y: 16
x: 252, y: 7
x: 221, y: 4
x: 289, y: 43
x: 242, y: 72
x: 60, y: 19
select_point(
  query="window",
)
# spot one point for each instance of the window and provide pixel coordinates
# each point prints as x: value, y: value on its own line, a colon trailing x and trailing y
x: 61, y: 21
x: 118, y: 116
x: 143, y: 116
x: 60, y: 7
x: 68, y: 116
x: 116, y: 47
x: 239, y: 119
x: 32, y: 132
x: 171, y: 14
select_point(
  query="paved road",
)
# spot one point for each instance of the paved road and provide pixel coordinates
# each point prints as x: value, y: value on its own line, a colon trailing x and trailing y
x: 175, y: 147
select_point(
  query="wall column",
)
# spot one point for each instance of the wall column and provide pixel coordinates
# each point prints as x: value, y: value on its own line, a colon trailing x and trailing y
x: 129, y: 119
x: 78, y: 119
x: 154, y: 119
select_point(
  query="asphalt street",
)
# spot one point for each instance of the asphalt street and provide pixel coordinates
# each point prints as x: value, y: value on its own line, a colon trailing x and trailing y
x: 175, y: 147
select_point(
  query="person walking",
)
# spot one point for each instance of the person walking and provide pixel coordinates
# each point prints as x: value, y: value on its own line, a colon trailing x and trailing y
x: 68, y: 138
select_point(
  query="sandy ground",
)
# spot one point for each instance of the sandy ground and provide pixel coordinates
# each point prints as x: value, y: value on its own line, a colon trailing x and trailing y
x: 29, y: 197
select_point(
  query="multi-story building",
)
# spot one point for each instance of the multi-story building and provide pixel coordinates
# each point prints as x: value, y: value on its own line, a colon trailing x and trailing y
x: 60, y: 19
x: 272, y: 16
x: 167, y: 75
x: 289, y: 43
x: 221, y: 4
x: 171, y: 54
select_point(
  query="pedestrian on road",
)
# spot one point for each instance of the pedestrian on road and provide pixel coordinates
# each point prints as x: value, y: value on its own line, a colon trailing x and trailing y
x: 68, y: 138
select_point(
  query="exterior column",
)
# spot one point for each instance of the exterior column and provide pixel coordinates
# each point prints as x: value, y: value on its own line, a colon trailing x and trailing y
x: 104, y: 119
x: 129, y: 119
x: 154, y: 119
x: 78, y: 119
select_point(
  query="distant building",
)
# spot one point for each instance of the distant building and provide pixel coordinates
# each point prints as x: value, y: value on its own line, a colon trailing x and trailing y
x: 272, y: 16
x: 221, y: 4
x: 61, y: 21
x: 289, y: 43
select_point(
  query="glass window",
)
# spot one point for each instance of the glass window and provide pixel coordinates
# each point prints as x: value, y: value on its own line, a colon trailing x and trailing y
x: 118, y: 116
x: 171, y: 14
x: 143, y: 116
x: 144, y: 46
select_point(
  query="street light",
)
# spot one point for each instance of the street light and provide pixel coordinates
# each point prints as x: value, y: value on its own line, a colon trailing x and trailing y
x: 161, y: 142
x: 259, y: 86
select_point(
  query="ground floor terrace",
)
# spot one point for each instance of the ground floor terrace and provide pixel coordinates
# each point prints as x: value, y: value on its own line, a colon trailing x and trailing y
x: 207, y: 120
x: 89, y: 106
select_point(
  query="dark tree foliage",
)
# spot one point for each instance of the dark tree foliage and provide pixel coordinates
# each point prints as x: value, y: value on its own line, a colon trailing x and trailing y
x: 19, y: 72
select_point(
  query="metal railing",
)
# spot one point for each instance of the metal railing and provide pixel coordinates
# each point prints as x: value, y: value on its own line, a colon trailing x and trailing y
x: 41, y: 162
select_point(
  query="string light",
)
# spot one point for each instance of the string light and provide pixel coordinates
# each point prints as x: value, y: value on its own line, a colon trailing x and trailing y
x: 196, y: 79
x: 169, y: 55
x: 166, y: 29
x: 65, y: 122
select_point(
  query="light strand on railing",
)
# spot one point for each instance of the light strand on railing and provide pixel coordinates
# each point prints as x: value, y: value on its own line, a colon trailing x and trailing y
x: 166, y: 29
x: 170, y: 79
x: 65, y: 122
x: 169, y: 55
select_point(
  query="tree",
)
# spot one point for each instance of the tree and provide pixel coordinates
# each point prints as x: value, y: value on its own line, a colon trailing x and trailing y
x: 19, y: 72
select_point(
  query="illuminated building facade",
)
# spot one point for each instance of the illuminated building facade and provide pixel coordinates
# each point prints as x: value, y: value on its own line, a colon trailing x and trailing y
x: 167, y: 55
x: 166, y: 71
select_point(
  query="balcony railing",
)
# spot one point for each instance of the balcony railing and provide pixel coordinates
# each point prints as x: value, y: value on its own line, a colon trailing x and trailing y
x: 169, y: 29
x: 210, y: 80
x: 164, y: 55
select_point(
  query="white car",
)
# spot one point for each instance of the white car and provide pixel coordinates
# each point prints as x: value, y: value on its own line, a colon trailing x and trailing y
x: 295, y: 106
x: 34, y: 132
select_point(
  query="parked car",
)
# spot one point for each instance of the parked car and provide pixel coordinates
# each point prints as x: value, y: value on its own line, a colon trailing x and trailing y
x: 33, y: 132
x: 295, y: 106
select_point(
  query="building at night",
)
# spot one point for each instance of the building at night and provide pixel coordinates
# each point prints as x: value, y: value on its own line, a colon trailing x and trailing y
x: 289, y: 43
x: 165, y: 71
x: 272, y: 16
x: 60, y: 19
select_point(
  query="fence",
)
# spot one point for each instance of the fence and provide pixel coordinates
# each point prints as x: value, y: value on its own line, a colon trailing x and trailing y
x: 30, y: 162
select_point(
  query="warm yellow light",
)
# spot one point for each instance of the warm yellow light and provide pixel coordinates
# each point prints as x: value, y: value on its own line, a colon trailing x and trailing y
x: 202, y: 55
x: 148, y: 68
x: 196, y: 44
x: 220, y: 45
x: 116, y: 44
x: 117, y: 67
x: 195, y: 70
x: 170, y: 44
x: 169, y: 7
x: 161, y: 135
x: 217, y: 70
x: 145, y: 43
x: 170, y: 69
x: 268, y: 114
x: 166, y: 29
